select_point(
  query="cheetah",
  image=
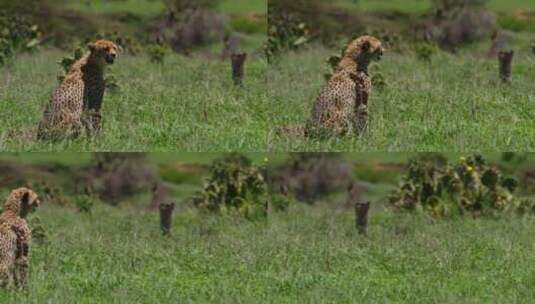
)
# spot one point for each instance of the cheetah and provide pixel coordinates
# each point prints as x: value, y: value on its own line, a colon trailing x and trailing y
x: 342, y: 105
x: 77, y: 101
x: 15, y: 237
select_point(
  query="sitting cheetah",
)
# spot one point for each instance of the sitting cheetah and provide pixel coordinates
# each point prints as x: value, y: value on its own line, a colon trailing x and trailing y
x: 15, y: 237
x: 77, y: 101
x: 342, y: 105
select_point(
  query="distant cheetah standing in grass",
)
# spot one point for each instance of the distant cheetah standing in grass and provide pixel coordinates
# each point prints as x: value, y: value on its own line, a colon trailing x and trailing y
x: 77, y: 101
x: 342, y: 105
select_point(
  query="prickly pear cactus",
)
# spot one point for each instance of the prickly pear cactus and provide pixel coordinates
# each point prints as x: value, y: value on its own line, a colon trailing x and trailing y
x: 235, y: 186
x: 469, y: 186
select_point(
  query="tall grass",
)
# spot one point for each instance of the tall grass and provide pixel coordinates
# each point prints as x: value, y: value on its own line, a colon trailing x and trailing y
x: 188, y: 104
x: 310, y: 254
x: 454, y: 103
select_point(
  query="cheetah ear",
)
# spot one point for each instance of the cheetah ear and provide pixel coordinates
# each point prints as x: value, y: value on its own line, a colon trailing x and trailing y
x: 366, y: 46
x: 91, y: 46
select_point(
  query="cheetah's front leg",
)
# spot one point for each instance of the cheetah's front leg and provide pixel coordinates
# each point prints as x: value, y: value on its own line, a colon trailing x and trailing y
x: 22, y: 258
x: 22, y: 266
x: 4, y: 275
x: 362, y: 120
x: 96, y: 122
x: 92, y: 121
x: 361, y: 114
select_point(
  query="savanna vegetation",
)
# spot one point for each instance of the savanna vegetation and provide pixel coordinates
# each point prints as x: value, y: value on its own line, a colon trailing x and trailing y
x: 437, y: 88
x: 171, y: 88
x: 97, y: 235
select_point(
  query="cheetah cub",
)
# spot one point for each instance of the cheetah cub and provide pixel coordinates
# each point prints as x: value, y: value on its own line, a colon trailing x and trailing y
x: 342, y: 106
x: 15, y: 237
x: 77, y: 102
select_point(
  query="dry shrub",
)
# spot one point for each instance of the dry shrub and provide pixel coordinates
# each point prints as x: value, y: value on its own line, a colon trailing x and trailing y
x: 453, y: 23
x: 189, y: 24
x: 115, y: 176
x: 294, y: 23
x: 45, y: 180
x: 310, y: 176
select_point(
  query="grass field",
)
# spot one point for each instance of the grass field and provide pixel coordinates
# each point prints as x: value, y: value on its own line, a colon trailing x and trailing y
x: 310, y: 254
x: 184, y: 105
x: 191, y: 105
x: 187, y: 104
x: 454, y: 103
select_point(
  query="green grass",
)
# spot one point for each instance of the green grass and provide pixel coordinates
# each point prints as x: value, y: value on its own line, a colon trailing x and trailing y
x: 307, y: 255
x: 456, y: 103
x: 156, y: 7
x: 137, y: 7
x: 188, y: 104
x: 244, y: 6
x: 310, y: 254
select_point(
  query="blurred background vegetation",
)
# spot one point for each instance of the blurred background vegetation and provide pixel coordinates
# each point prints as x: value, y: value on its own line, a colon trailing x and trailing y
x: 182, y: 25
x: 310, y: 177
x: 450, y: 24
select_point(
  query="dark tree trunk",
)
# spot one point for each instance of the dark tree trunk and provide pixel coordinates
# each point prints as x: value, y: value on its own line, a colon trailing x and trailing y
x: 506, y: 60
x: 361, y: 217
x: 238, y: 64
x: 166, y: 217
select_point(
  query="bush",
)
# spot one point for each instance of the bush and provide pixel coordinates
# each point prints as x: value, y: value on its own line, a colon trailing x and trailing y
x: 310, y: 176
x: 67, y: 62
x: 85, y: 203
x: 452, y: 23
x: 16, y: 34
x: 286, y: 32
x: 472, y: 186
x: 234, y: 186
x: 39, y: 233
x: 157, y: 53
x: 191, y: 23
x: 115, y: 176
x: 50, y: 193
x: 425, y: 51
x: 281, y: 203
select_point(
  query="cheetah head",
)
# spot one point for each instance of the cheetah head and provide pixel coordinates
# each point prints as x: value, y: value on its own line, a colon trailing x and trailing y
x: 22, y: 201
x: 103, y: 51
x: 365, y: 49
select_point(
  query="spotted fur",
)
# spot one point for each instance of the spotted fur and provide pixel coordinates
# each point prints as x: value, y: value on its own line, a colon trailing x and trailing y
x: 77, y: 102
x: 15, y: 237
x: 342, y: 106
